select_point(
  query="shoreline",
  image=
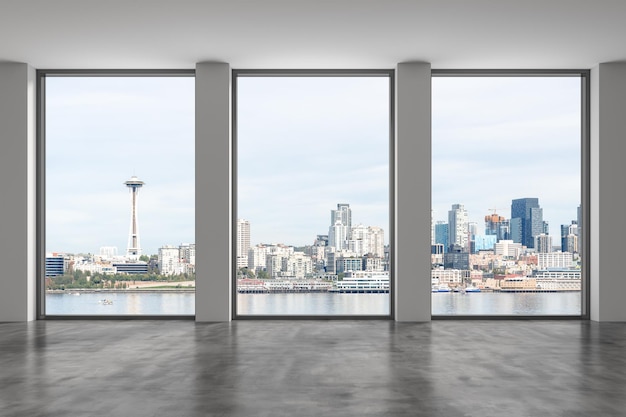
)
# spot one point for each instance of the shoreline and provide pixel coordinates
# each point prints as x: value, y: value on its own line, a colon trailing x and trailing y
x: 119, y: 290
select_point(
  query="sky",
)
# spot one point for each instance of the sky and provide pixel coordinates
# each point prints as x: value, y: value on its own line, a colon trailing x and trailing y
x: 495, y: 139
x: 304, y: 145
x: 100, y: 131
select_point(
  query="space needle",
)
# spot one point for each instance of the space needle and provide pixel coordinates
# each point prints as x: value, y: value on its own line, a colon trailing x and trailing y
x: 134, y: 248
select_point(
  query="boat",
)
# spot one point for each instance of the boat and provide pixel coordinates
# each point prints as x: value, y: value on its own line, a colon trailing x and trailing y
x: 472, y: 289
x: 443, y: 288
x: 106, y: 302
x: 363, y: 282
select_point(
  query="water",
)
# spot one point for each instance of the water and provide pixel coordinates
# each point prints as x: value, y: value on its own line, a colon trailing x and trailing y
x: 149, y: 303
x: 165, y: 303
x: 308, y: 304
x: 493, y: 303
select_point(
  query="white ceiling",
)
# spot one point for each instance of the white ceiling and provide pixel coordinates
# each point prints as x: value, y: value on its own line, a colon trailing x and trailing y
x: 313, y: 33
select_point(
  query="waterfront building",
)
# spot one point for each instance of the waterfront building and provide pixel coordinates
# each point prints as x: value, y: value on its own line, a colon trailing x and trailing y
x: 449, y: 276
x: 458, y: 227
x: 243, y: 242
x: 518, y: 284
x: 363, y: 282
x: 554, y: 260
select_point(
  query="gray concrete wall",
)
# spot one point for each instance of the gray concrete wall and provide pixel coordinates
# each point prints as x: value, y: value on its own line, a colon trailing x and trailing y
x: 213, y: 192
x: 412, y: 192
x: 17, y: 192
x: 608, y: 192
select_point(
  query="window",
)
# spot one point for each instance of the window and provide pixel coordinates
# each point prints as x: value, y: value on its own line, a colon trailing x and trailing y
x: 119, y: 193
x: 312, y: 169
x: 508, y: 225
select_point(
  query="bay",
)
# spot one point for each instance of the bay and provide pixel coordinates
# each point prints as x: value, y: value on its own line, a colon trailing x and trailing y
x: 311, y: 304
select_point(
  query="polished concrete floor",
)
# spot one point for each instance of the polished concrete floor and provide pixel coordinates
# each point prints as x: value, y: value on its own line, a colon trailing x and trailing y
x: 312, y: 368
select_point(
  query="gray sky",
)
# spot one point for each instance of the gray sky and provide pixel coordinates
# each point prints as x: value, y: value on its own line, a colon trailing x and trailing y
x: 304, y: 145
x: 99, y: 132
x: 500, y: 138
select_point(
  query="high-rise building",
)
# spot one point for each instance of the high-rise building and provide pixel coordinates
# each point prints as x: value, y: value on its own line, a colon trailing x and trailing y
x: 359, y: 240
x: 441, y: 234
x: 497, y: 225
x: 340, y: 226
x: 543, y: 243
x: 527, y: 221
x: 554, y: 260
x: 458, y: 233
x: 508, y: 248
x: 342, y: 214
x: 484, y: 242
x: 569, y: 237
x: 187, y: 253
x: 257, y: 257
x: 243, y: 242
x: 456, y: 258
x: 169, y: 260
x: 376, y: 237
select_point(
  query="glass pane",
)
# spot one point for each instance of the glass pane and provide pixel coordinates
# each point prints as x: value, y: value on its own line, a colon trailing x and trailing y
x: 119, y: 195
x: 313, y: 195
x: 506, y: 187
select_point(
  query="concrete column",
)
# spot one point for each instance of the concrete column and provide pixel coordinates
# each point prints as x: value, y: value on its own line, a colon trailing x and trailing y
x: 213, y: 192
x: 607, y: 192
x: 17, y: 192
x: 412, y: 192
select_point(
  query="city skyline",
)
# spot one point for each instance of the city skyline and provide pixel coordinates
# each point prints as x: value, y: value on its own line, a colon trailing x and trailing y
x: 96, y: 124
x: 497, y: 139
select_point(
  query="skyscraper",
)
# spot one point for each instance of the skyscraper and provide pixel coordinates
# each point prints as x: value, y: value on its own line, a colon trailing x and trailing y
x: 458, y: 233
x: 243, y: 242
x: 526, y: 221
x: 441, y: 234
x: 340, y: 226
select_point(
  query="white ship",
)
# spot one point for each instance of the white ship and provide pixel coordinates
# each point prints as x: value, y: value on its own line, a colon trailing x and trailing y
x: 363, y: 282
